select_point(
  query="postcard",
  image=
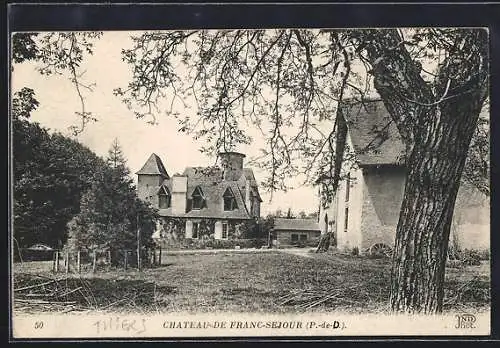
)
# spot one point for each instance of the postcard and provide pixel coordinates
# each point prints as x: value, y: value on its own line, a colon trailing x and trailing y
x: 250, y: 183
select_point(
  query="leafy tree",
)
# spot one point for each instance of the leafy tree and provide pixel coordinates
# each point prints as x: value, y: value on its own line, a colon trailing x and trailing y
x: 50, y: 171
x: 289, y: 214
x: 432, y: 81
x: 50, y: 174
x: 111, y: 212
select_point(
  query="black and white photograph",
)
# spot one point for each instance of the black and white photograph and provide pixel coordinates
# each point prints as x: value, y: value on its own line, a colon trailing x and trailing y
x: 250, y: 182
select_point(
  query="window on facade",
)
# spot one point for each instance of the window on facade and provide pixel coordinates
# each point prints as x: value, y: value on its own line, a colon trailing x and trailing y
x: 303, y: 237
x: 225, y: 229
x: 196, y: 230
x: 198, y: 198
x: 229, y: 200
x: 295, y: 237
x: 346, y: 221
x: 163, y: 198
x: 347, y: 186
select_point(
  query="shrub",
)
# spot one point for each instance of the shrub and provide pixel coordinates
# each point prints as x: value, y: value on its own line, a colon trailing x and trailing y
x: 454, y: 264
x: 471, y: 257
x: 213, y: 243
x: 468, y: 257
x: 484, y: 255
x: 453, y: 253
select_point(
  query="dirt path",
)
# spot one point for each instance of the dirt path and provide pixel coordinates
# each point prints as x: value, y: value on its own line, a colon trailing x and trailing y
x: 304, y: 252
x: 215, y: 251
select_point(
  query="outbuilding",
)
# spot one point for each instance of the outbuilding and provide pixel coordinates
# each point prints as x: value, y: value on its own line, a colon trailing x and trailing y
x: 294, y: 232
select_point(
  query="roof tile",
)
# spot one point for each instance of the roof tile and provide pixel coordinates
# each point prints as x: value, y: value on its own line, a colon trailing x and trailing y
x: 375, y: 137
x: 153, y: 166
x: 296, y: 224
x: 210, y: 180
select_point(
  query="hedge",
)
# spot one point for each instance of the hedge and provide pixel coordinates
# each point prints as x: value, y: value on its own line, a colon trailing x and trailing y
x: 187, y: 243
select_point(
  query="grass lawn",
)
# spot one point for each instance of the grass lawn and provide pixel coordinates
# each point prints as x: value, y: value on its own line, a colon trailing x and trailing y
x: 256, y: 282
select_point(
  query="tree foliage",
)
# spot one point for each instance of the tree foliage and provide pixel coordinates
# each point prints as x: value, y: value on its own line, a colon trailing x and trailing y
x: 286, y: 83
x: 50, y: 174
x: 110, y: 211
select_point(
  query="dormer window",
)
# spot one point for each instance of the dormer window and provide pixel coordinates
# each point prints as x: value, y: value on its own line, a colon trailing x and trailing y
x: 229, y: 200
x: 198, y: 198
x: 164, y: 198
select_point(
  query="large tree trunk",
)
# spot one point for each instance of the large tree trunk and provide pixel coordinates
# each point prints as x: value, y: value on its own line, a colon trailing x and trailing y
x: 434, y: 170
x: 437, y: 126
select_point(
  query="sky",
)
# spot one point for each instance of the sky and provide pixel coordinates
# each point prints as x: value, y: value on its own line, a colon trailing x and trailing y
x: 59, y: 101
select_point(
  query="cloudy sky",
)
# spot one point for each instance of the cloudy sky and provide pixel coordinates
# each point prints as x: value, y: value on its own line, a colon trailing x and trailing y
x: 59, y: 101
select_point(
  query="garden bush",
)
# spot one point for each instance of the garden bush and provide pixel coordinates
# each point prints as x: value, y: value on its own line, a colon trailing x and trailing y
x: 211, y: 243
x: 468, y: 257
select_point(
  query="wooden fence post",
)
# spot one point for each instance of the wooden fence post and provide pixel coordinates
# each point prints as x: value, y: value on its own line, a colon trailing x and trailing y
x: 94, y: 260
x: 138, y: 245
x: 109, y: 257
x: 159, y: 257
x: 66, y: 261
x: 56, y: 262
x: 78, y: 261
x: 125, y: 261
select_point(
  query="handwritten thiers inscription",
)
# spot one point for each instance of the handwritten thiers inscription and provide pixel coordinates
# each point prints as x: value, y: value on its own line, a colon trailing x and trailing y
x: 135, y: 326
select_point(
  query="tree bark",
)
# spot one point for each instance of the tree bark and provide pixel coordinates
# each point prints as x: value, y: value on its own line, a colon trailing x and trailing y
x: 435, y: 165
x: 433, y: 179
x: 437, y: 133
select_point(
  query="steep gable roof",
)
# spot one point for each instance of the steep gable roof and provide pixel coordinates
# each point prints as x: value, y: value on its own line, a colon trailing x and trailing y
x: 210, y: 180
x: 153, y: 166
x: 374, y: 136
x: 250, y: 178
x: 214, y: 207
x: 296, y: 224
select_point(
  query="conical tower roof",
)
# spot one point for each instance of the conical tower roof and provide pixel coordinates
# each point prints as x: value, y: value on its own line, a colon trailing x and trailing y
x: 153, y: 166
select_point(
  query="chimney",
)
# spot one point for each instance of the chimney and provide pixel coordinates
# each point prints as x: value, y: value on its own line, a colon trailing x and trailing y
x: 232, y: 164
x: 179, y: 194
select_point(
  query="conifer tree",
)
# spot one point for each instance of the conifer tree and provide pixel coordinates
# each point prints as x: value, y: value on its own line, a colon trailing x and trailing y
x: 110, y: 210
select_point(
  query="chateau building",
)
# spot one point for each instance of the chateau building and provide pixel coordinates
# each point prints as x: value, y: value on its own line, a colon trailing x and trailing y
x: 202, y: 202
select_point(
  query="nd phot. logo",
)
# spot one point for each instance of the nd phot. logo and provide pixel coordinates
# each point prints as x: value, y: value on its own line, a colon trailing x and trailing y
x: 465, y: 321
